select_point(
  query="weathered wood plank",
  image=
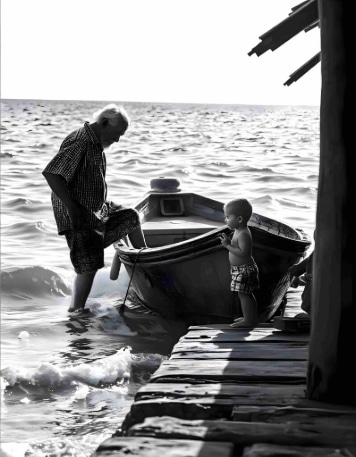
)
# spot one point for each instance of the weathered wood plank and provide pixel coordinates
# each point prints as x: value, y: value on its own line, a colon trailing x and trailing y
x: 210, y: 407
x: 275, y: 414
x: 261, y: 394
x: 313, y: 404
x: 292, y: 324
x: 275, y: 450
x: 204, y: 408
x: 238, y: 351
x: 247, y: 433
x: 267, y: 325
x: 234, y: 334
x: 238, y: 370
x: 153, y: 447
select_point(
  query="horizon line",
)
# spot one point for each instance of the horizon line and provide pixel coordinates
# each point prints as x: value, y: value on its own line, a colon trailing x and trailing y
x: 154, y: 102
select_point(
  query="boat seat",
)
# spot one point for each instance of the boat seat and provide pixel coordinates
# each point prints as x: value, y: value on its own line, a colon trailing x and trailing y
x: 194, y: 224
x: 159, y: 231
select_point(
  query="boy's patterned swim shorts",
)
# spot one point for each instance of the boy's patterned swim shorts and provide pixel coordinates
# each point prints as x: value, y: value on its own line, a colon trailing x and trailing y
x: 244, y: 278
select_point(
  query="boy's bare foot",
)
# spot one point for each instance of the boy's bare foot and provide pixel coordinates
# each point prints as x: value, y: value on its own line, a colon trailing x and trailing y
x: 238, y: 319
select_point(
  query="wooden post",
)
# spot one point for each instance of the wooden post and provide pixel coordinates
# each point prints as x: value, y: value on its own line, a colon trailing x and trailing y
x: 332, y: 351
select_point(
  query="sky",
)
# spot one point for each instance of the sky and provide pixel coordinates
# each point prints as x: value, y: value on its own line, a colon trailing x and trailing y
x: 182, y: 51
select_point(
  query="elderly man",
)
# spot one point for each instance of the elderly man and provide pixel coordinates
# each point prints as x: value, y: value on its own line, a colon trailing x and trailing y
x: 90, y: 223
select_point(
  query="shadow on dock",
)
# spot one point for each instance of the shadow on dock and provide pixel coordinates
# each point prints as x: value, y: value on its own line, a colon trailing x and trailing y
x: 234, y: 392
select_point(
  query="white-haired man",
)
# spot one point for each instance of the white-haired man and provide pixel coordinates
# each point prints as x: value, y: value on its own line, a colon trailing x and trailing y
x: 90, y: 223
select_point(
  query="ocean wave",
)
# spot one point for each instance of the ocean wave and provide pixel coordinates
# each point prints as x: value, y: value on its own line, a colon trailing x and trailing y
x: 24, y: 204
x: 26, y: 230
x: 78, y: 446
x: 143, y: 365
x: 264, y: 200
x: 8, y: 154
x: 277, y: 178
x: 10, y: 140
x: 37, y: 281
x: 48, y: 377
x: 251, y: 168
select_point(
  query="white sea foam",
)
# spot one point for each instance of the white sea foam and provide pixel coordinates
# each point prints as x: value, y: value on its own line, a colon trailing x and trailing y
x: 106, y: 371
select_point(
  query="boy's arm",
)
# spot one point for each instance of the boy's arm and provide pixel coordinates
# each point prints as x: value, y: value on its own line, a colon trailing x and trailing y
x: 243, y: 247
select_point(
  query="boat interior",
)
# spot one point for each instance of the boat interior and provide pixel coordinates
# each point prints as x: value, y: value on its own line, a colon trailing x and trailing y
x: 172, y: 218
x: 169, y: 218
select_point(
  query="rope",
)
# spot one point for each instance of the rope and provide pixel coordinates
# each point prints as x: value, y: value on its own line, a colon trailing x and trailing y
x: 122, y: 307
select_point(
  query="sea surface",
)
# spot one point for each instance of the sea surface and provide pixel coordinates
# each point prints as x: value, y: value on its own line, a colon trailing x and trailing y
x: 67, y: 382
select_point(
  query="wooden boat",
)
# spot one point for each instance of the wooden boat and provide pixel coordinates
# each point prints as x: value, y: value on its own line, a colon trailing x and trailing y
x: 185, y: 274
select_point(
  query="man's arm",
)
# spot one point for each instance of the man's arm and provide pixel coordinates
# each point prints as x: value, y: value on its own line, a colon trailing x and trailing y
x: 299, y: 268
x: 59, y: 187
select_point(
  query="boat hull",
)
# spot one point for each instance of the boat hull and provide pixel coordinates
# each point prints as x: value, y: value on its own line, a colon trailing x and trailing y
x: 191, y: 280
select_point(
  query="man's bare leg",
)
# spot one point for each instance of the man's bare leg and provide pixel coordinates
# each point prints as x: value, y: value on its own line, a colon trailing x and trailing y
x: 81, y: 289
x: 137, y: 238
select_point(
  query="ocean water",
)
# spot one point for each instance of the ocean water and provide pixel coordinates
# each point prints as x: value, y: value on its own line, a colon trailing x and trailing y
x: 67, y: 382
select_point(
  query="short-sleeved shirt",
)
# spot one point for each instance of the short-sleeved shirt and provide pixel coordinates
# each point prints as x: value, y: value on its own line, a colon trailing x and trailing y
x: 81, y: 162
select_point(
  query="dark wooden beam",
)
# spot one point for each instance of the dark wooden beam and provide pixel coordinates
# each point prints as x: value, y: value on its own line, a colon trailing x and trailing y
x: 303, y: 69
x: 300, y: 19
x: 331, y: 370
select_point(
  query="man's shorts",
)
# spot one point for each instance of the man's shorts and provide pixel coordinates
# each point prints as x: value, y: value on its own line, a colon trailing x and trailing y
x: 244, y: 278
x: 87, y: 245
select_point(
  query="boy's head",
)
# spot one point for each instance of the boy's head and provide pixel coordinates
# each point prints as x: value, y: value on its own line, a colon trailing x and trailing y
x: 238, y: 210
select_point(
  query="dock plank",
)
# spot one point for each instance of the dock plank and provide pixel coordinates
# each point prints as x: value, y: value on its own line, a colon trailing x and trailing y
x: 234, y: 334
x: 204, y: 408
x: 277, y: 414
x: 238, y: 351
x: 263, y: 394
x: 247, y: 433
x: 266, y: 325
x: 151, y: 447
x: 275, y: 450
x: 237, y: 370
x: 210, y: 407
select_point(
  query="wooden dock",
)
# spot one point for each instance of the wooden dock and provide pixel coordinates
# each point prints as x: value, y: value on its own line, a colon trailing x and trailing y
x: 233, y: 392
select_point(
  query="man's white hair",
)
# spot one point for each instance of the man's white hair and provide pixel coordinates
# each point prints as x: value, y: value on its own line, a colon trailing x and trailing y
x: 112, y: 111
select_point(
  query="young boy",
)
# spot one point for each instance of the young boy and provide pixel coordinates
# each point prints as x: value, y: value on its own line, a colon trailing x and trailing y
x: 244, y: 271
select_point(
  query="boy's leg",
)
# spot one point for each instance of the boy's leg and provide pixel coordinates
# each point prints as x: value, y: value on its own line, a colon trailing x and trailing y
x: 236, y: 306
x: 249, y: 311
x: 81, y: 288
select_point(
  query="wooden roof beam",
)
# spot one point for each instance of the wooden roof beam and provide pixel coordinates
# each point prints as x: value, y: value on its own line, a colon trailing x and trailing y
x: 300, y: 19
x: 303, y: 69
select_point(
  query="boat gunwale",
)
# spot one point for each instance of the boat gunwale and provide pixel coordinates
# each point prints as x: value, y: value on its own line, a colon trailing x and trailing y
x: 210, y: 241
x: 197, y: 246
